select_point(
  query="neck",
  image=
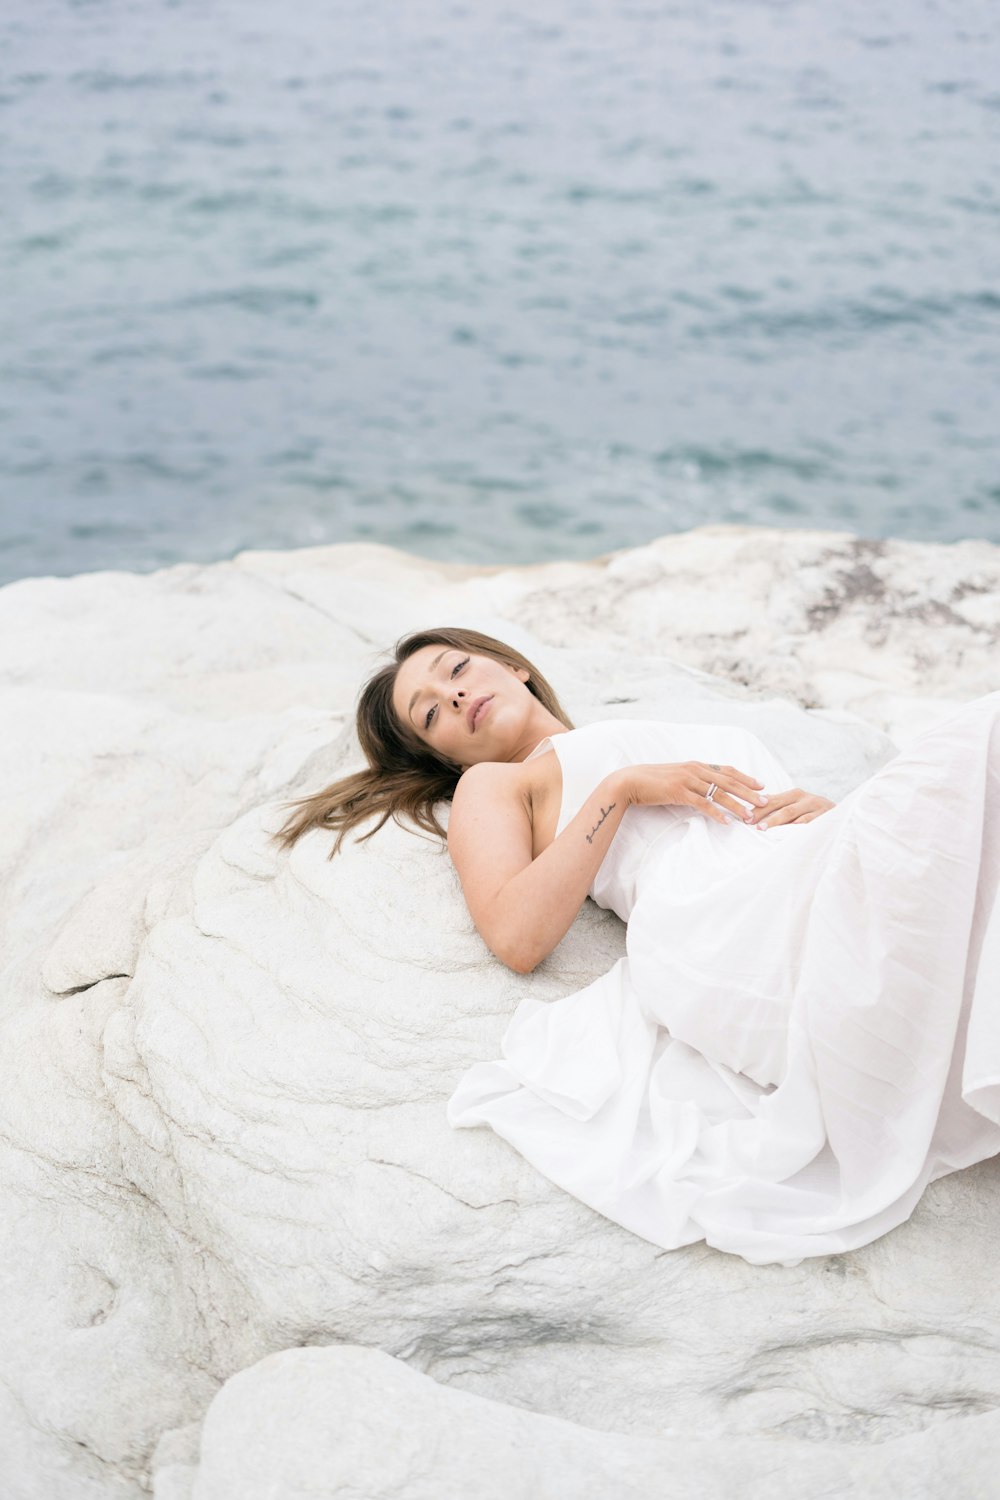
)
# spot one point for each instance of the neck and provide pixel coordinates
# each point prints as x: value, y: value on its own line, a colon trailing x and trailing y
x: 540, y: 728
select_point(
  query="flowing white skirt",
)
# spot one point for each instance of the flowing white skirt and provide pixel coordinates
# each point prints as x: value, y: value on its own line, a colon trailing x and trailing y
x: 795, y: 1047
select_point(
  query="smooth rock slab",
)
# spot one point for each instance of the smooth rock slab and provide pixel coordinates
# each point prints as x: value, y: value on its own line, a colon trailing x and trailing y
x: 346, y: 1421
x: 224, y: 1068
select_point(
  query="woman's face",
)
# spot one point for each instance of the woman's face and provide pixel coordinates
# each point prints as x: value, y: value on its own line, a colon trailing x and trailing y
x: 467, y: 708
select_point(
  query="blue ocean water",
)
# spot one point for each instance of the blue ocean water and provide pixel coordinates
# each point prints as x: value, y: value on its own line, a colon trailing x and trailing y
x: 493, y: 281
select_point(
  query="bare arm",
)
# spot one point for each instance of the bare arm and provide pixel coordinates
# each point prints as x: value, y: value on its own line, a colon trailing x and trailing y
x: 523, y: 907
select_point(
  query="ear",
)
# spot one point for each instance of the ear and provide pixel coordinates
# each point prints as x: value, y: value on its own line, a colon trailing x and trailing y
x: 521, y: 673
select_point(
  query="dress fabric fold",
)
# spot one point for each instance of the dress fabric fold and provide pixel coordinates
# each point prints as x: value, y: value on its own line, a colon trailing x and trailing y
x: 805, y: 1029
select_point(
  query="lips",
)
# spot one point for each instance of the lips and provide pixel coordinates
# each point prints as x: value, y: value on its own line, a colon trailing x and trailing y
x: 474, y: 710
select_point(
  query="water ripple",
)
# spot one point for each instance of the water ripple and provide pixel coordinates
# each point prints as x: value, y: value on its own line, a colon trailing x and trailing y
x: 494, y: 283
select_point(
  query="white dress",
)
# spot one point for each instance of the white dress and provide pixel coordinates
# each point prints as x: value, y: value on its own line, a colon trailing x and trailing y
x: 805, y: 1031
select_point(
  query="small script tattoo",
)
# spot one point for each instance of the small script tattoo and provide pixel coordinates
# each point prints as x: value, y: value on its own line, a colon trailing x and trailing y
x: 604, y: 813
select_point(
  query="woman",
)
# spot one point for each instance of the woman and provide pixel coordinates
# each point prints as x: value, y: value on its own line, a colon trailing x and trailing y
x: 805, y: 1031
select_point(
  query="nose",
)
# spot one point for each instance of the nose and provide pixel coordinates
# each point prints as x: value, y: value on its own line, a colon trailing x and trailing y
x: 459, y: 694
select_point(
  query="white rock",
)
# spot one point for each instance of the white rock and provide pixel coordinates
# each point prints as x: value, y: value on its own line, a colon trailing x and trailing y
x: 352, y: 1421
x: 224, y: 1068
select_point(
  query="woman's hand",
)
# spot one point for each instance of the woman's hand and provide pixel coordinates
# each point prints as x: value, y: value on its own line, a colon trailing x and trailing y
x: 795, y: 806
x: 686, y: 783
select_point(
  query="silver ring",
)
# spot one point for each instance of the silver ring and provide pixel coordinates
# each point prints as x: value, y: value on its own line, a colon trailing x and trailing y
x: 713, y: 788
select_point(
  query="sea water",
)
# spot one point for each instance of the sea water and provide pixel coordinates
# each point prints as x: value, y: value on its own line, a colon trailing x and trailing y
x: 494, y: 282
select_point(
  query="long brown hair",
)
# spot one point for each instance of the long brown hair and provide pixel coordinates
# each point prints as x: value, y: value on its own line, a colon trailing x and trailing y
x: 404, y: 775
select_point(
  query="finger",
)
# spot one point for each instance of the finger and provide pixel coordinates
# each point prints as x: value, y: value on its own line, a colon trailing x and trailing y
x: 739, y: 809
x: 733, y: 787
x: 727, y: 794
x: 775, y: 803
x: 712, y: 806
x: 724, y: 807
x: 752, y: 803
x: 780, y: 816
x: 730, y: 773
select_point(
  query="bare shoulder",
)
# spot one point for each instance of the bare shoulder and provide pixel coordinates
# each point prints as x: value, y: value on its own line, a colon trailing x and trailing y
x: 489, y: 829
x: 504, y: 814
x: 489, y: 783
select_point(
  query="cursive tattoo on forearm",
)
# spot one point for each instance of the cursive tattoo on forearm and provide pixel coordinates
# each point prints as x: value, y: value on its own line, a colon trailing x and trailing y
x: 604, y: 814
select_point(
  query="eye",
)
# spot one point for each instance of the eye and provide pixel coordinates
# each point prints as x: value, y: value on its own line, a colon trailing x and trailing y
x: 453, y: 673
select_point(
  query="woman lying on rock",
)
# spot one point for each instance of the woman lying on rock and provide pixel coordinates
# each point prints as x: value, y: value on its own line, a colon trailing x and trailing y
x: 805, y: 1031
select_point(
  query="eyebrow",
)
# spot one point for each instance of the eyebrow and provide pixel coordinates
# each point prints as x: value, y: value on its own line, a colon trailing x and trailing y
x: 409, y: 709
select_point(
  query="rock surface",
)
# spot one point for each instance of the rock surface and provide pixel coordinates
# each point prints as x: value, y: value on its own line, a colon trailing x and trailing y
x: 222, y: 1131
x: 344, y: 1412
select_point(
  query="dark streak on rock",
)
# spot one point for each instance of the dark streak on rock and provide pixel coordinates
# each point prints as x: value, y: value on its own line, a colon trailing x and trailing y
x: 851, y: 584
x: 81, y: 989
x: 859, y: 582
